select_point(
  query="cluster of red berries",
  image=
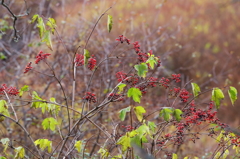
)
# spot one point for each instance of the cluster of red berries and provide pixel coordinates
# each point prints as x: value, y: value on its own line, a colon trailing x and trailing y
x: 184, y: 95
x: 121, y: 76
x: 92, y: 63
x: 9, y: 90
x: 28, y: 67
x: 142, y: 57
x: 41, y: 56
x: 90, y: 97
x: 136, y: 46
x: 152, y: 81
x: 176, y: 77
x: 175, y: 91
x: 165, y: 82
x: 79, y: 60
x: 133, y: 80
x: 123, y: 39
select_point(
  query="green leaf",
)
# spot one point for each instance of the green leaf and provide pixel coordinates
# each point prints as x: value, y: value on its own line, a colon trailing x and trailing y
x: 78, y: 145
x: 34, y: 18
x: 38, y: 102
x: 86, y: 56
x: 40, y: 25
x: 138, y: 141
x: 133, y: 133
x: 124, y: 141
x: 47, y: 39
x: 232, y: 92
x: 44, y: 143
x: 139, y: 110
x: 20, y: 152
x: 52, y: 24
x: 109, y: 23
x: 177, y: 114
x: 1, y: 157
x: 123, y: 112
x: 225, y: 154
x: 5, y: 142
x: 142, y: 69
x: 166, y: 112
x: 135, y: 93
x: 174, y: 156
x: 121, y: 87
x: 2, y: 56
x: 4, y: 108
x: 152, y: 61
x: 143, y: 130
x: 217, y: 96
x: 104, y: 152
x: 152, y: 126
x: 49, y: 123
x: 53, y: 108
x: 217, y: 155
x: 25, y: 88
x: 195, y: 89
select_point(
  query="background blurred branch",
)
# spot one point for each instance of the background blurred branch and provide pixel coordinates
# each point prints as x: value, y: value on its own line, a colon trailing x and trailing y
x: 15, y: 17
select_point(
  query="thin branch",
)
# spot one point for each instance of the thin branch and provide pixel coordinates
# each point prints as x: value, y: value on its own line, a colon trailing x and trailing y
x: 15, y: 18
x: 24, y: 129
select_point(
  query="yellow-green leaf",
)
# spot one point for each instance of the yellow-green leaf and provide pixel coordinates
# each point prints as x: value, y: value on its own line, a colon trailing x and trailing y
x: 86, y: 56
x: 52, y: 24
x: 34, y: 18
x: 49, y: 123
x: 123, y: 112
x: 20, y: 152
x: 5, y: 142
x: 142, y: 69
x: 177, y: 114
x: 41, y: 26
x: 152, y: 61
x: 135, y: 93
x: 152, y: 126
x: 121, y: 87
x: 217, y: 96
x: 232, y: 92
x: 23, y: 89
x: 124, y: 141
x: 166, y: 112
x: 44, y: 143
x: 139, y: 110
x: 109, y: 23
x: 78, y: 145
x: 225, y: 154
x: 53, y: 108
x: 104, y: 152
x: 143, y: 130
x: 174, y: 156
x: 47, y: 39
x: 195, y: 89
x: 4, y: 108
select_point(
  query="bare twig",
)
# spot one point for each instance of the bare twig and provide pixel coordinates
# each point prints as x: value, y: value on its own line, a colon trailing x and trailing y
x: 15, y: 17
